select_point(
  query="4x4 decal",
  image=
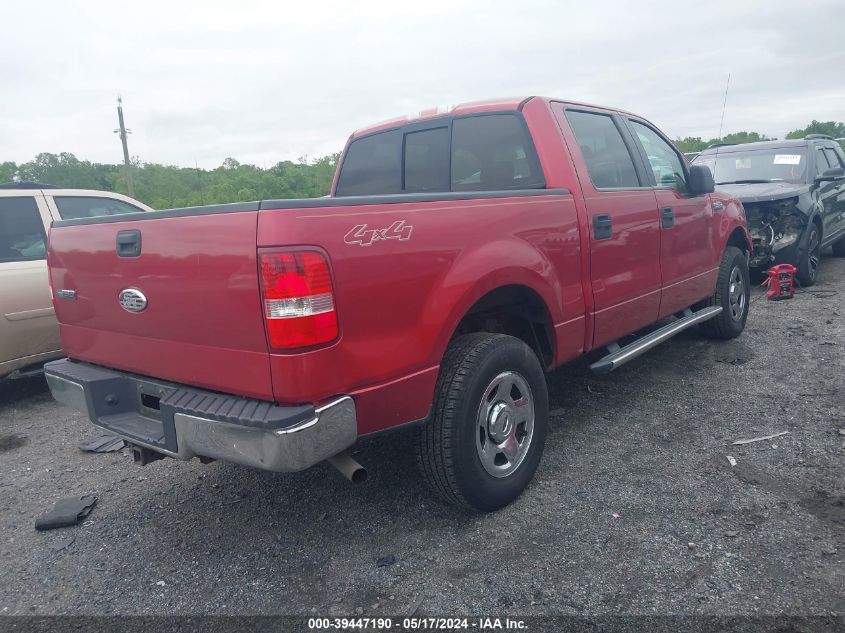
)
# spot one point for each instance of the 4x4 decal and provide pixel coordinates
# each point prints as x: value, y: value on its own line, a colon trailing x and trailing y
x: 363, y: 236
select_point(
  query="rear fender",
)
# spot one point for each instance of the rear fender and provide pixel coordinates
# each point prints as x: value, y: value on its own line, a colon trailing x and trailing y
x: 471, y: 277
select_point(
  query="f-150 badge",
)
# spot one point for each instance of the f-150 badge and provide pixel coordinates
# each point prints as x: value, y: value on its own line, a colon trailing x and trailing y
x: 363, y: 236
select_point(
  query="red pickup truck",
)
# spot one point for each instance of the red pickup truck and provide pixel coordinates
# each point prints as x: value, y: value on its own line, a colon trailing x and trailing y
x: 463, y: 252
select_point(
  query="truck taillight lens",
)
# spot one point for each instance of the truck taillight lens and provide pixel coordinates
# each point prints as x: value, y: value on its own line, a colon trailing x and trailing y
x: 296, y: 288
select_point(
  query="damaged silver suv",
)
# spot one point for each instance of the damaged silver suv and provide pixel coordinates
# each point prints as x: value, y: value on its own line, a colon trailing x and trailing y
x: 793, y: 192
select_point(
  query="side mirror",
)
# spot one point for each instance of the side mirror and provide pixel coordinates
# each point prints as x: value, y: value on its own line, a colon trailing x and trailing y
x: 700, y: 180
x: 834, y: 173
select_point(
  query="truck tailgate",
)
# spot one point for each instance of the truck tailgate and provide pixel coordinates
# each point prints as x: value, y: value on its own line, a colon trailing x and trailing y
x: 202, y: 324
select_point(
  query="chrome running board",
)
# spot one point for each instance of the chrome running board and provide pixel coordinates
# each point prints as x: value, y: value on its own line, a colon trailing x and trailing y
x: 620, y: 355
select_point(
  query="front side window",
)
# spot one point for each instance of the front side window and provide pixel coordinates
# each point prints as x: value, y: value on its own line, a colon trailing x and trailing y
x: 21, y: 231
x: 608, y: 160
x: 667, y: 166
x: 75, y: 207
x: 492, y: 153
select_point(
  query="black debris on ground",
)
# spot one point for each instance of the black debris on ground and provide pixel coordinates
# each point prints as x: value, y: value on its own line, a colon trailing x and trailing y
x: 67, y: 512
x: 105, y: 443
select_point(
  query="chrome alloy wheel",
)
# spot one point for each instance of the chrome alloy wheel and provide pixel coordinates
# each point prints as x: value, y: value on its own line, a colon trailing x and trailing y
x: 813, y: 253
x: 505, y: 424
x: 736, y: 295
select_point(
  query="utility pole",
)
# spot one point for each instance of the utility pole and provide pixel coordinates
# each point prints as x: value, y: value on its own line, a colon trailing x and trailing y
x: 122, y: 131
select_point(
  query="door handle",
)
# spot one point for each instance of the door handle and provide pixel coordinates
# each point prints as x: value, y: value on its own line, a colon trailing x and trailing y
x: 667, y: 217
x: 128, y: 243
x: 602, y: 227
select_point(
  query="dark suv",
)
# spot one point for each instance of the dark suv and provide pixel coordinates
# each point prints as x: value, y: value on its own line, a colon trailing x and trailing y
x: 794, y: 197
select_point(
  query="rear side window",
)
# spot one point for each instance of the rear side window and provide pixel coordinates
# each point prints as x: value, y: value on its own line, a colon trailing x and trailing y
x: 822, y: 164
x: 832, y: 157
x: 487, y: 152
x: 427, y: 160
x: 493, y: 152
x: 74, y: 207
x: 608, y: 160
x: 372, y: 166
x: 21, y: 231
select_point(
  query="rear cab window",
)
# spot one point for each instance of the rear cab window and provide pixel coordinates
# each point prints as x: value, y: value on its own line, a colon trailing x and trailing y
x: 426, y: 160
x: 483, y: 152
x: 373, y: 165
x: 75, y: 207
x: 22, y: 236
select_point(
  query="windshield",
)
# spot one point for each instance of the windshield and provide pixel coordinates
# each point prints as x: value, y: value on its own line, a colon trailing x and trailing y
x: 785, y: 164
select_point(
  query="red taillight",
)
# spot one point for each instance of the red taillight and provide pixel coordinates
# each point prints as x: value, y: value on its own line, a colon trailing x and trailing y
x: 299, y: 309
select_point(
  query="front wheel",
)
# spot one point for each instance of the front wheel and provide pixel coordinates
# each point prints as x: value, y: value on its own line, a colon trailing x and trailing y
x: 733, y: 293
x: 808, y: 265
x: 488, y: 427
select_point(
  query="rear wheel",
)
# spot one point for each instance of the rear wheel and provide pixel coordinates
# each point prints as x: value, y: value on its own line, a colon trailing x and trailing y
x: 488, y: 427
x: 808, y: 265
x: 733, y: 293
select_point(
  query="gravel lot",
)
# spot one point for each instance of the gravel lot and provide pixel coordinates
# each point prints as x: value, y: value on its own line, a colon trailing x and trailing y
x: 635, y: 508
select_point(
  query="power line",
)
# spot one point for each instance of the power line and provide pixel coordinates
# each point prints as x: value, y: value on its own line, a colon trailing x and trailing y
x: 724, y: 103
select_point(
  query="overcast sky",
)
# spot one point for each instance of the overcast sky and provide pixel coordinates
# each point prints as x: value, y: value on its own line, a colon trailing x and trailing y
x: 269, y: 81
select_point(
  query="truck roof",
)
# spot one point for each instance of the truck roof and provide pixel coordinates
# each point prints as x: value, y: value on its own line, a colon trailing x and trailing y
x: 472, y: 107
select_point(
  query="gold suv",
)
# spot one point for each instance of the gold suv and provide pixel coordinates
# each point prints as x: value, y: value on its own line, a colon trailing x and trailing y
x: 29, y: 334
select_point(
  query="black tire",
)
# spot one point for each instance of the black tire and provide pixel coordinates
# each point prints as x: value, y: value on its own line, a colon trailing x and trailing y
x: 809, y: 256
x: 839, y: 248
x: 449, y: 446
x: 730, y: 322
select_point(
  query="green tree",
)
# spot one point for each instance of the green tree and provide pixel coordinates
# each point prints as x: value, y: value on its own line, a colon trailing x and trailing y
x: 836, y: 129
x: 736, y: 138
x: 8, y: 170
x: 168, y: 186
x: 690, y: 144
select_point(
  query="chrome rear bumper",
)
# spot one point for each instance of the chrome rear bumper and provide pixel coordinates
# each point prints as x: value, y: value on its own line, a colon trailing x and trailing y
x: 183, y: 422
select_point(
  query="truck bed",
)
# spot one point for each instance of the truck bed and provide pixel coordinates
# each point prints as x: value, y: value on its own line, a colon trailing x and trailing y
x: 400, y: 271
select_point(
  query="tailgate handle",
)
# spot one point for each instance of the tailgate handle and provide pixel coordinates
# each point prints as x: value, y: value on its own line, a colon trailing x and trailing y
x: 128, y: 243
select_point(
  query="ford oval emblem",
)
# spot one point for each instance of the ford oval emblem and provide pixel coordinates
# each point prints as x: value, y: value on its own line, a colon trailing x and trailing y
x: 132, y: 300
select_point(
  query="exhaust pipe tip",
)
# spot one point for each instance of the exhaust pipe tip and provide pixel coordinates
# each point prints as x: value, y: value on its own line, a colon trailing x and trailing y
x: 360, y: 475
x: 349, y: 468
